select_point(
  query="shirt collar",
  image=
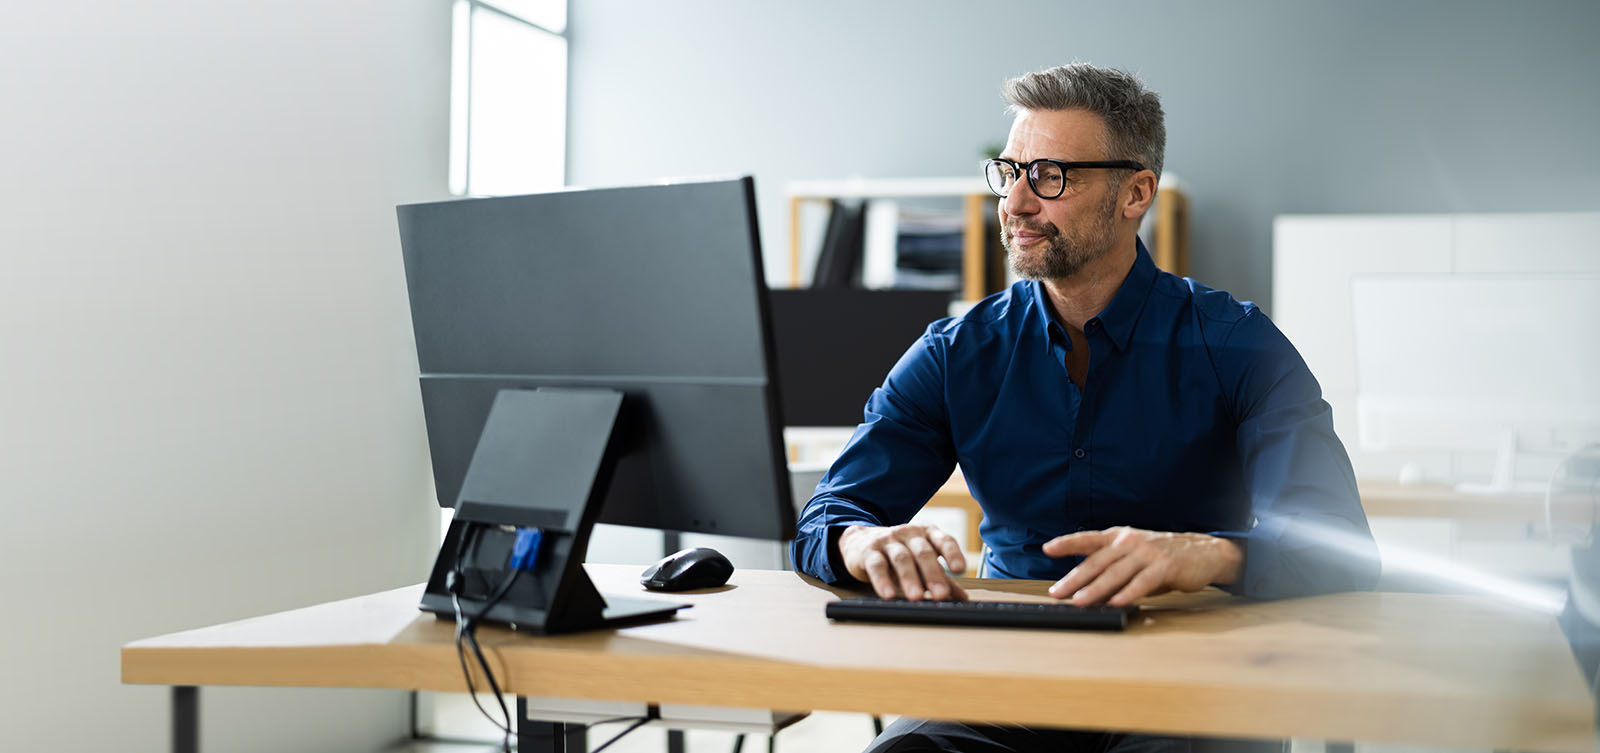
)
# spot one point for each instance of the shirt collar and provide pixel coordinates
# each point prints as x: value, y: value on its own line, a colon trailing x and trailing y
x: 1119, y: 316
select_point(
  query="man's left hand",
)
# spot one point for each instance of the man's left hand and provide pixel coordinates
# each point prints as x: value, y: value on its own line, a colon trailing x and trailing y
x: 1123, y: 564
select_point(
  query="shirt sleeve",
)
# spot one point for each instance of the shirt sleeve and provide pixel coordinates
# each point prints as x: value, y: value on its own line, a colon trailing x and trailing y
x: 1310, y: 534
x: 899, y: 455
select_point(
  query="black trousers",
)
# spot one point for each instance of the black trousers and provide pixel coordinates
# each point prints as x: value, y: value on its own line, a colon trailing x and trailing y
x: 908, y: 735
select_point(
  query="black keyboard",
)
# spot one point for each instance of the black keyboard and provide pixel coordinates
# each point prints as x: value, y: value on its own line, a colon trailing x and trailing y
x: 983, y: 613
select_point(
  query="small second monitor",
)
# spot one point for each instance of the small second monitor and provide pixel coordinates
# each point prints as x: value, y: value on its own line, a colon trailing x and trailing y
x: 834, y: 346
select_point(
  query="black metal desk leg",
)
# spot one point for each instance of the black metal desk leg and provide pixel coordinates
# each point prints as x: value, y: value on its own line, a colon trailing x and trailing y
x: 185, y: 719
x: 548, y: 737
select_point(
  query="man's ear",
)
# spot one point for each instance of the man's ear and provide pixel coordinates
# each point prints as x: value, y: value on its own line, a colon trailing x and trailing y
x: 1141, y: 193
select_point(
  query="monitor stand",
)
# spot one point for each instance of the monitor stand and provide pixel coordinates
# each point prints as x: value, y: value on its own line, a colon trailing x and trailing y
x: 544, y: 461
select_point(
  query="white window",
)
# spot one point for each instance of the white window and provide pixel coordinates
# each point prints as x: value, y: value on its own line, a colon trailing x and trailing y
x: 508, y: 108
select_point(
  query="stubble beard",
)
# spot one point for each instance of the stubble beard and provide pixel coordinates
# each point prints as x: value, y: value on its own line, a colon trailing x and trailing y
x: 1059, y: 256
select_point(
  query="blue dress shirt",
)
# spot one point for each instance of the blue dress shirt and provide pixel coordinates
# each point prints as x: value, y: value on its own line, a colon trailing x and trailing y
x: 1196, y: 415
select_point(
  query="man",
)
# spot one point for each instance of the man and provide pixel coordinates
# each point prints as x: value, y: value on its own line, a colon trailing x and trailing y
x: 1127, y: 431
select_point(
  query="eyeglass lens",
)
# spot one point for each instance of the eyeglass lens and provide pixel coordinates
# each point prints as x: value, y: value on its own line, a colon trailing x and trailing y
x: 1046, y: 178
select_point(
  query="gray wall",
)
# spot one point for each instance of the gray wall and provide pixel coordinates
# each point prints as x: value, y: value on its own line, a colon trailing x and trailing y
x: 208, y: 398
x: 1272, y: 107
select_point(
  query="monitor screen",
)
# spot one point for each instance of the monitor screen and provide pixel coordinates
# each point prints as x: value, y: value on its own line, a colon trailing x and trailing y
x: 654, y: 291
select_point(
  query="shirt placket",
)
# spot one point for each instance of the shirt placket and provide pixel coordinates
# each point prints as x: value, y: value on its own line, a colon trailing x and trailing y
x: 1080, y: 478
x: 1073, y: 501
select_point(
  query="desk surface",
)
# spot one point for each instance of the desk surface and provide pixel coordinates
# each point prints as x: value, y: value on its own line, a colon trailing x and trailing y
x: 1444, y: 501
x: 1441, y: 670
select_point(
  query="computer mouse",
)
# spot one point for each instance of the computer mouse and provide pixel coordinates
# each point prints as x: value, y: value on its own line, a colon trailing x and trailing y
x: 700, y: 567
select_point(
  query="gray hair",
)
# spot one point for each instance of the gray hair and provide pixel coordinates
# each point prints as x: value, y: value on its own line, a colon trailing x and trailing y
x: 1135, y: 125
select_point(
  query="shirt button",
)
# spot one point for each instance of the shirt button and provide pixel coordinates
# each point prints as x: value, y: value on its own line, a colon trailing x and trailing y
x: 1079, y: 453
x: 1094, y: 323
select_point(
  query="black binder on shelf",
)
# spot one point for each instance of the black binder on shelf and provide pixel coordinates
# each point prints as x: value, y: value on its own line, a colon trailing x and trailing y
x: 839, y: 262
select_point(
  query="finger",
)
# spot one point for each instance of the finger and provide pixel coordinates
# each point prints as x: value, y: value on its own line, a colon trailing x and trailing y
x: 1086, y: 571
x: 957, y: 593
x: 877, y: 567
x: 905, y: 568
x: 929, y: 568
x: 1082, y: 542
x: 950, y: 548
x: 1109, y: 582
x: 1148, y: 581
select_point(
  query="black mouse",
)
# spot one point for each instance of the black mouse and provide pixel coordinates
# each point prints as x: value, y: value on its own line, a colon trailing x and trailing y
x: 699, y: 567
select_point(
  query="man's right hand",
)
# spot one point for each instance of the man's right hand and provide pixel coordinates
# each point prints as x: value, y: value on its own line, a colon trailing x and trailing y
x: 904, y: 559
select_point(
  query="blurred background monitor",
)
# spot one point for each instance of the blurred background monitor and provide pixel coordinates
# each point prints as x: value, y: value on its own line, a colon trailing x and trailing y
x: 1504, y: 368
x: 835, y: 346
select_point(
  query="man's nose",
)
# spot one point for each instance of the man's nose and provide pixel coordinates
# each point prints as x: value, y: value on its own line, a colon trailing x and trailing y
x: 1021, y: 199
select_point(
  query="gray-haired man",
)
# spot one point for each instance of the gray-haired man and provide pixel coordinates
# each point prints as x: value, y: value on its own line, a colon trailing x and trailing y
x: 1127, y: 431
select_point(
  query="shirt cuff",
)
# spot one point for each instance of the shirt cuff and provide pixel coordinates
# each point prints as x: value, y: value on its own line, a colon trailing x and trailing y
x: 840, y: 575
x: 826, y: 565
x: 1242, y: 540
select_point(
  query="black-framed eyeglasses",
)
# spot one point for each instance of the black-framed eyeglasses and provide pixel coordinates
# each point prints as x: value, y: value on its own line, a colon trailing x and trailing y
x: 1047, y: 177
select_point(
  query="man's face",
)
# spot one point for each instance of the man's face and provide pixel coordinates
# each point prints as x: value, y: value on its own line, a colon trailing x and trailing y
x: 1049, y: 239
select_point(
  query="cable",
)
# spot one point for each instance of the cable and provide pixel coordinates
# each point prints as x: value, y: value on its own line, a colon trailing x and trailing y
x: 592, y: 725
x: 619, y: 735
x: 494, y: 687
x: 467, y: 626
x: 612, y: 720
x: 466, y: 629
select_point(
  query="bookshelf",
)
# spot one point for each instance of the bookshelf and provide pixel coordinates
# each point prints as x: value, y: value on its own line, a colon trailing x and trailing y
x: 1170, y: 231
x: 1170, y: 220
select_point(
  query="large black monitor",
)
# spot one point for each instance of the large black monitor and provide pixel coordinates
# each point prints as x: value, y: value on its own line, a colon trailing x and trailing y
x: 531, y: 309
x: 836, y: 345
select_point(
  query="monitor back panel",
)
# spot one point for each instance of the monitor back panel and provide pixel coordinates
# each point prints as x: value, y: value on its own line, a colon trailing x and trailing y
x: 657, y: 291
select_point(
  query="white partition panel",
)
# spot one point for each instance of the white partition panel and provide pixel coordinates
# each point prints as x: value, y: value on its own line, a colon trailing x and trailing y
x: 1317, y: 260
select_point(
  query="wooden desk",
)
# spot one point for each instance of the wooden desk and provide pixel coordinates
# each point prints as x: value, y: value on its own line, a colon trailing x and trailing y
x: 955, y: 494
x: 1379, y: 499
x: 1437, y: 670
x: 1442, y: 501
